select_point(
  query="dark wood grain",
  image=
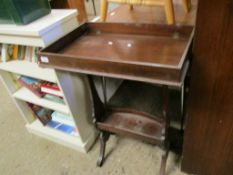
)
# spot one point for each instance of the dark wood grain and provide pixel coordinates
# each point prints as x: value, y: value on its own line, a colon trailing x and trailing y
x: 208, y: 141
x: 127, y: 113
x: 173, y: 31
x: 150, y: 52
x: 132, y: 124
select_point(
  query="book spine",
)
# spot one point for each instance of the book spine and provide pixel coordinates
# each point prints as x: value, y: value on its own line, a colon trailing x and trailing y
x: 15, y: 52
x: 19, y: 52
x: 62, y: 118
x: 27, y: 54
x: 22, y: 56
x: 34, y: 56
x: 44, y: 115
x: 5, y: 55
x: 51, y: 86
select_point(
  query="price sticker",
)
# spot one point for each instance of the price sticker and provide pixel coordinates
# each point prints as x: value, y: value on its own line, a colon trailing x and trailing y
x: 44, y: 59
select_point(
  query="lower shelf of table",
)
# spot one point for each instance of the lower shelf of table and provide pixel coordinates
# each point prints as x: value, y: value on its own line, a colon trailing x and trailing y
x: 73, y: 142
x: 134, y: 124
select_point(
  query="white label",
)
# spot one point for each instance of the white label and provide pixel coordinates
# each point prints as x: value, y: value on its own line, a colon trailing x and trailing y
x: 44, y: 59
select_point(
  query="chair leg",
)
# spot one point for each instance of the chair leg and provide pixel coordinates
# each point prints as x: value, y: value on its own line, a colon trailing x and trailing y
x: 169, y: 10
x: 187, y: 5
x: 103, y: 139
x: 93, y: 3
x: 103, y: 10
x: 131, y: 7
x: 164, y: 160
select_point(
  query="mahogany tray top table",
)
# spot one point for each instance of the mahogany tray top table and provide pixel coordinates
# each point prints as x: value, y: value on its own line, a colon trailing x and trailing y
x: 143, y: 55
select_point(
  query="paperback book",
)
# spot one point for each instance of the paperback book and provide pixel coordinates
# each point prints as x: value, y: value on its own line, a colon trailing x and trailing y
x: 63, y: 127
x: 51, y: 88
x: 32, y: 84
x: 63, y: 118
x: 54, y: 98
x: 44, y: 115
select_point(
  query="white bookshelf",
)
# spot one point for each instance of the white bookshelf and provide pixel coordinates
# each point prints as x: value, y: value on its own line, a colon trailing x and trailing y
x: 75, y: 88
x: 59, y: 137
x: 41, y: 32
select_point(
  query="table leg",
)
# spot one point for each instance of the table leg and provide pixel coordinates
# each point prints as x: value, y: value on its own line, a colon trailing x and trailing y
x: 165, y: 145
x: 182, y: 107
x: 103, y: 81
x: 104, y: 136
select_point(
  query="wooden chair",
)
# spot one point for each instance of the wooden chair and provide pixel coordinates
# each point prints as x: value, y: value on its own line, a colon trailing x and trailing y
x: 168, y: 7
x: 133, y: 111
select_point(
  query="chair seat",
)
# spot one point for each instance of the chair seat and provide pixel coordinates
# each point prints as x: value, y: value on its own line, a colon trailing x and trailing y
x: 134, y: 124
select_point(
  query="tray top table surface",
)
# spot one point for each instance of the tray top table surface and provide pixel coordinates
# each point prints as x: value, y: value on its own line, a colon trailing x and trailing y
x: 130, y: 48
x: 143, y: 52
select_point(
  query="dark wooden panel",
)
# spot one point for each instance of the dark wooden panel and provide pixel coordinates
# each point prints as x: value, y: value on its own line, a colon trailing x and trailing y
x: 208, y: 141
x: 72, y: 4
x: 144, y: 29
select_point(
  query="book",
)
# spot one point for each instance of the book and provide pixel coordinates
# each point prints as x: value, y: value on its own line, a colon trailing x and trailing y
x: 54, y: 98
x: 51, y: 88
x: 15, y: 78
x: 15, y: 52
x: 22, y: 54
x: 10, y: 50
x: 4, y: 53
x: 63, y: 127
x: 28, y: 53
x: 19, y: 52
x: 44, y: 115
x: 34, y: 54
x: 62, y: 118
x: 32, y: 84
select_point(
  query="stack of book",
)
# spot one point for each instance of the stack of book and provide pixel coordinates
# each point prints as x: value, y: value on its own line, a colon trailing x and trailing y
x: 51, y: 88
x: 63, y: 122
x: 17, y: 52
x: 49, y: 91
x: 44, y: 115
x: 52, y: 92
x: 34, y: 85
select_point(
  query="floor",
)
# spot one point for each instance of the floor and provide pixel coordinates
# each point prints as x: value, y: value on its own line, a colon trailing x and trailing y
x: 27, y: 154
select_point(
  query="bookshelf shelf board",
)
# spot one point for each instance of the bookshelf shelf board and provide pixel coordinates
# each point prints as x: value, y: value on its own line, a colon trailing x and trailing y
x: 29, y: 69
x: 41, y: 32
x: 57, y: 136
x: 26, y: 95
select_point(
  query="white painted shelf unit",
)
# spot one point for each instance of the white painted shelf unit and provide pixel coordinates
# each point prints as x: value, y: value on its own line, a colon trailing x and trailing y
x: 74, y: 87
